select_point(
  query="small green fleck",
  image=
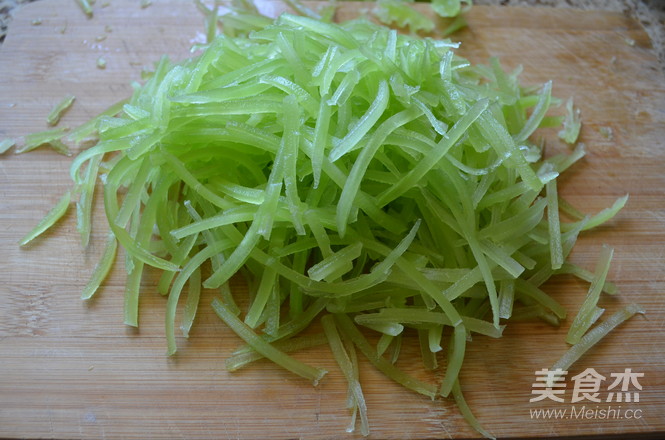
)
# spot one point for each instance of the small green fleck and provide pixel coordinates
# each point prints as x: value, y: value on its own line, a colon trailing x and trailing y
x: 6, y: 144
x: 85, y: 7
x: 606, y: 132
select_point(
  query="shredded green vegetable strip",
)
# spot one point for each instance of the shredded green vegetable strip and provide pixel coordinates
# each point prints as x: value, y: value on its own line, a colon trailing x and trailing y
x: 344, y: 170
x: 47, y: 137
x: 594, y: 336
x: 6, y: 144
x: 344, y: 360
x: 49, y: 219
x: 588, y: 314
x: 267, y: 350
x: 85, y: 7
x: 54, y: 117
x: 102, y: 268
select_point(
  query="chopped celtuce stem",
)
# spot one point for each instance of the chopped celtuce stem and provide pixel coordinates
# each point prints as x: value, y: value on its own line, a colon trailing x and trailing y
x: 84, y: 203
x: 6, y: 144
x: 588, y: 314
x: 590, y: 339
x: 259, y: 345
x: 330, y: 267
x: 571, y: 123
x: 242, y: 358
x: 351, y: 332
x: 85, y: 7
x: 466, y: 411
x: 102, y: 268
x: 609, y: 287
x: 49, y: 219
x: 192, y: 303
x: 556, y: 251
x: 346, y: 365
x: 59, y: 109
x: 35, y: 140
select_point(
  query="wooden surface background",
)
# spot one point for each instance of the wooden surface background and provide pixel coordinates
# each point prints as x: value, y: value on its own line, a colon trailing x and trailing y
x: 71, y: 369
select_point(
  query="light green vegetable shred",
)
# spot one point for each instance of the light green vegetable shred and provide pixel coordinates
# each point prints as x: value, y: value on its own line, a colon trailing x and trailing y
x: 54, y: 117
x: 571, y: 123
x: 400, y: 13
x: 51, y: 137
x: 6, y: 144
x: 374, y: 179
x: 49, y: 219
x: 85, y: 7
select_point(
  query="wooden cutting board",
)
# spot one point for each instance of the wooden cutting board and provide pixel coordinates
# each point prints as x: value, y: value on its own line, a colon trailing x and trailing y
x: 71, y: 369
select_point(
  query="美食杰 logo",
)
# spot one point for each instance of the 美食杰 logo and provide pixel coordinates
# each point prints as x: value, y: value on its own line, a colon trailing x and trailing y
x: 619, y: 390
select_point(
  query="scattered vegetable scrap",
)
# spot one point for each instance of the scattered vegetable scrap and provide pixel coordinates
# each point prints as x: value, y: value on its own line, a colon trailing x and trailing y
x: 85, y: 7
x: 6, y: 144
x: 59, y: 109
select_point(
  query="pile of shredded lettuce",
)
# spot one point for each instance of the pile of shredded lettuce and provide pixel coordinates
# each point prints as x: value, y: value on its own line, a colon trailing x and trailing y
x: 372, y: 180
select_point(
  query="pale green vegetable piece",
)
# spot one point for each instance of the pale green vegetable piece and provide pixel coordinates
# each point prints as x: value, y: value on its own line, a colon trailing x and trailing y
x: 588, y: 314
x: 241, y: 358
x: 84, y: 203
x: 571, y: 123
x: 282, y: 359
x: 344, y: 360
x: 399, y: 12
x: 466, y: 411
x: 54, y: 117
x: 46, y: 137
x: 610, y: 288
x: 553, y: 224
x: 102, y: 268
x: 447, y: 8
x: 6, y: 144
x: 85, y: 7
x: 49, y: 219
x: 594, y: 336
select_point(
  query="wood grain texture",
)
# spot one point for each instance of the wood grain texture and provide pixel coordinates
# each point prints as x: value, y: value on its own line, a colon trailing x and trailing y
x: 70, y: 369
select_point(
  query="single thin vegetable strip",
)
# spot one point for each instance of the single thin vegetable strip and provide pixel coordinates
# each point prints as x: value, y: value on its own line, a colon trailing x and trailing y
x: 349, y: 329
x: 49, y: 219
x: 84, y: 203
x: 344, y: 361
x: 241, y: 358
x: 192, y: 303
x: 363, y: 126
x: 267, y: 350
x: 606, y: 214
x: 46, y: 137
x: 587, y: 314
x: 59, y: 109
x: 102, y: 268
x: 466, y: 411
x: 556, y: 251
x: 85, y: 7
x: 571, y: 123
x: 6, y: 144
x: 594, y: 336
x: 610, y: 288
